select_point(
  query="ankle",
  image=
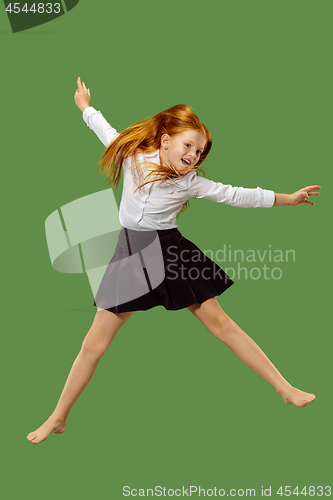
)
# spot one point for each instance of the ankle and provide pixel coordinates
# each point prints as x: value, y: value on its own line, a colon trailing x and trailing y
x: 58, y: 418
x: 283, y: 388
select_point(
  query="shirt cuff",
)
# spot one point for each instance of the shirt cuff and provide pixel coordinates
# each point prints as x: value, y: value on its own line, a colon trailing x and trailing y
x: 88, y: 112
x: 269, y: 198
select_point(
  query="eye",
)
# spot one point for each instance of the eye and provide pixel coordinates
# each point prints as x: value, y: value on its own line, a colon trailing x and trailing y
x: 188, y: 145
x: 199, y: 152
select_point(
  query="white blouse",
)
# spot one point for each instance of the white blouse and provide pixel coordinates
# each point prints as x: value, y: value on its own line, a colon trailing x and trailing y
x: 156, y: 205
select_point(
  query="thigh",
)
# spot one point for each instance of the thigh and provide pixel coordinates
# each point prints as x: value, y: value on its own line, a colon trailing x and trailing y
x: 107, y: 320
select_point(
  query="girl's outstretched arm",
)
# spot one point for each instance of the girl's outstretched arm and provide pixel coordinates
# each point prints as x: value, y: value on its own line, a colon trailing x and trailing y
x: 94, y: 119
x: 296, y: 198
x: 82, y: 95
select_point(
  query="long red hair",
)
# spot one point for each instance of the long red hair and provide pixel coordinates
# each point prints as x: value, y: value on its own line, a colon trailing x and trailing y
x: 145, y: 137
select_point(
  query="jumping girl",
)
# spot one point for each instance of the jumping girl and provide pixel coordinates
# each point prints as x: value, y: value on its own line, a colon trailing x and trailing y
x: 159, y: 158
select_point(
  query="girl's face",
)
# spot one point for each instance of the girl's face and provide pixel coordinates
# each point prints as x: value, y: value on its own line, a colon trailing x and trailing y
x: 182, y: 150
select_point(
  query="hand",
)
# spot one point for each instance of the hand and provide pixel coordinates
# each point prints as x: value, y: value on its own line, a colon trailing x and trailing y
x: 82, y: 95
x: 302, y: 196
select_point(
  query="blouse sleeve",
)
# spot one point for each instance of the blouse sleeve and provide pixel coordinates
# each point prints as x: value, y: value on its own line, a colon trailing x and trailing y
x: 200, y: 187
x: 96, y: 121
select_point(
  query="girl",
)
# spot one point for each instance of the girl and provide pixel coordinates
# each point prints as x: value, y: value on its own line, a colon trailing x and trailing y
x: 160, y: 157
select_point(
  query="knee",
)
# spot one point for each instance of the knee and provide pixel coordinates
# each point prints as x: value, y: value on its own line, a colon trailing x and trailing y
x: 92, y: 346
x: 224, y: 326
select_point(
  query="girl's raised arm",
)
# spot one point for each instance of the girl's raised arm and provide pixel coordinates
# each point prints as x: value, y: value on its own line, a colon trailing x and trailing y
x: 94, y: 119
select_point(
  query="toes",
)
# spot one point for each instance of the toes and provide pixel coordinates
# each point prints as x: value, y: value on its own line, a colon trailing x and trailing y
x: 309, y: 398
x: 31, y: 436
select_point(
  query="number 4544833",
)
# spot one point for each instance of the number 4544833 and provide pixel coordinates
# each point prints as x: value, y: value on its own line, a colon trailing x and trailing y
x: 36, y: 8
x: 310, y: 491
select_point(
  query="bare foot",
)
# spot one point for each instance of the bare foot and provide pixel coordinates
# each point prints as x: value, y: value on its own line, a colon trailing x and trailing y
x: 291, y: 395
x: 51, y: 425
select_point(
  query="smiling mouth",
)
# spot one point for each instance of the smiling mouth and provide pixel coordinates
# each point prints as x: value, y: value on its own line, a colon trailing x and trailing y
x: 187, y: 163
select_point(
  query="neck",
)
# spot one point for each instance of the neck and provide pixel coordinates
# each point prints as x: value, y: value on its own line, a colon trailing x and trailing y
x: 162, y: 157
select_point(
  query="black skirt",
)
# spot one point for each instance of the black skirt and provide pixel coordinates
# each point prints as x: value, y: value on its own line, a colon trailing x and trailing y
x: 158, y: 268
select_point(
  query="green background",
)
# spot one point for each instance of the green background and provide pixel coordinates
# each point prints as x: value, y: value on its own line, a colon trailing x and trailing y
x: 169, y: 404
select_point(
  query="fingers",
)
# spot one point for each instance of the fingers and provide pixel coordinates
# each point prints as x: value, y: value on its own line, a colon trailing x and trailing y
x: 311, y: 188
x: 305, y: 200
x: 307, y: 192
x: 81, y: 85
x: 302, y: 198
x: 81, y: 88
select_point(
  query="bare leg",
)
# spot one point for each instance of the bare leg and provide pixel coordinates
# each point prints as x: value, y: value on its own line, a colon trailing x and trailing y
x: 95, y: 344
x: 225, y: 329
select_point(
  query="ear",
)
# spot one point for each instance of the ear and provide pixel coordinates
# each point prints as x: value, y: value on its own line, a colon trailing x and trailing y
x: 165, y: 139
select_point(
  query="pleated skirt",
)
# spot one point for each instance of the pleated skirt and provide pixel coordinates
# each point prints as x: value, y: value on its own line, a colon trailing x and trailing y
x: 158, y: 268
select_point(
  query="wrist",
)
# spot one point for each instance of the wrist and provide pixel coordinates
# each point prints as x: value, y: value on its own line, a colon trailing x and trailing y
x: 282, y: 199
x: 83, y: 107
